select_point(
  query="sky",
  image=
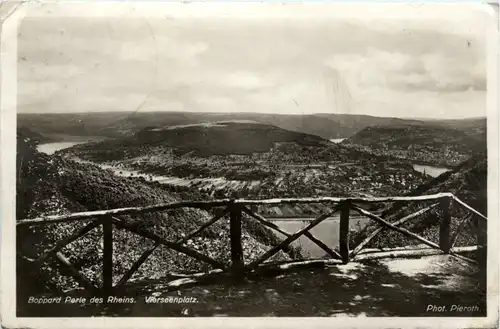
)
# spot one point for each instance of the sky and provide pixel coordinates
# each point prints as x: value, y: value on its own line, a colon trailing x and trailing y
x: 424, y: 61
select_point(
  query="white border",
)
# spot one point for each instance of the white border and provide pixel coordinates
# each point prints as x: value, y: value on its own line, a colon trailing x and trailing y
x: 221, y: 9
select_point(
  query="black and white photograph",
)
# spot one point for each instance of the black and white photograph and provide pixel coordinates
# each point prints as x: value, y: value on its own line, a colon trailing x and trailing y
x: 319, y: 160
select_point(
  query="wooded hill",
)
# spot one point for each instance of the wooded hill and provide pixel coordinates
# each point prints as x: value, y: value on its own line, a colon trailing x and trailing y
x: 252, y: 160
x: 51, y: 185
x: 440, y: 144
x: 226, y: 138
x: 220, y: 138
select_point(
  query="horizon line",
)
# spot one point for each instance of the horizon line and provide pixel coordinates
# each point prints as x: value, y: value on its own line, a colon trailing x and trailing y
x: 258, y: 113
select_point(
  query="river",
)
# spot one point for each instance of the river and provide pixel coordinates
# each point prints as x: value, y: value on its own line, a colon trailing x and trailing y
x: 221, y: 182
x: 430, y: 170
x: 327, y: 232
x: 337, y: 140
x: 51, y: 148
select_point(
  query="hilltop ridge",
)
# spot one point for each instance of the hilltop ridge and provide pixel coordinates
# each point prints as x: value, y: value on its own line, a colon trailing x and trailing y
x: 222, y: 138
x: 120, y: 124
x: 203, y: 140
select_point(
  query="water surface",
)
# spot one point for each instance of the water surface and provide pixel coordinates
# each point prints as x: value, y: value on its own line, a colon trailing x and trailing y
x: 430, y: 170
x: 337, y: 140
x: 327, y: 231
x: 51, y: 148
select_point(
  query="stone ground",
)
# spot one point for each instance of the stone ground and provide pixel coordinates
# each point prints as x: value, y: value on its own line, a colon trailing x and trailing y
x: 390, y: 287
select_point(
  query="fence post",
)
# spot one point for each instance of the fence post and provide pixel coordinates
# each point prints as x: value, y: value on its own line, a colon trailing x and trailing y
x: 107, y: 258
x: 237, y: 263
x: 444, y: 227
x: 344, y: 231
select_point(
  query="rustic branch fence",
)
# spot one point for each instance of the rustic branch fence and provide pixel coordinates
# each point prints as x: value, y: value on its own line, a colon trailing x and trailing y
x: 239, y: 207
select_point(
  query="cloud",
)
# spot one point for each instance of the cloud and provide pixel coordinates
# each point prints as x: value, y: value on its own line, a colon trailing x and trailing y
x: 277, y: 65
x: 398, y: 71
x: 244, y: 80
x: 422, y: 104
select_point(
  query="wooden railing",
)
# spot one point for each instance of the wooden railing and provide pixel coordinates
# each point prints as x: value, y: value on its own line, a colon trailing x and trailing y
x: 239, y: 207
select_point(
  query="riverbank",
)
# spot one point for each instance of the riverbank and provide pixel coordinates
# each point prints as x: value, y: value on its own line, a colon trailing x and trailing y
x: 328, y: 231
x: 50, y: 148
x: 340, y: 179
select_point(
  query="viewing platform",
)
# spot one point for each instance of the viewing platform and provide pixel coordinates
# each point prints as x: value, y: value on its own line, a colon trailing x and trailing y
x: 239, y: 210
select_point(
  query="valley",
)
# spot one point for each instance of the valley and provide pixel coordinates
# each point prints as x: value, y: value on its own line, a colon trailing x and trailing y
x: 229, y: 159
x: 247, y: 159
x: 250, y: 160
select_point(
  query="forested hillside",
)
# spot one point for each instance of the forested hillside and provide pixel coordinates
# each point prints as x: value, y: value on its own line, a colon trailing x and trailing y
x: 251, y: 160
x: 433, y: 144
x: 468, y: 182
x: 50, y: 185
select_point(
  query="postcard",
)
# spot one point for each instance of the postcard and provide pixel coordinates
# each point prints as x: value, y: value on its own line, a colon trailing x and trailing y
x: 249, y: 164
